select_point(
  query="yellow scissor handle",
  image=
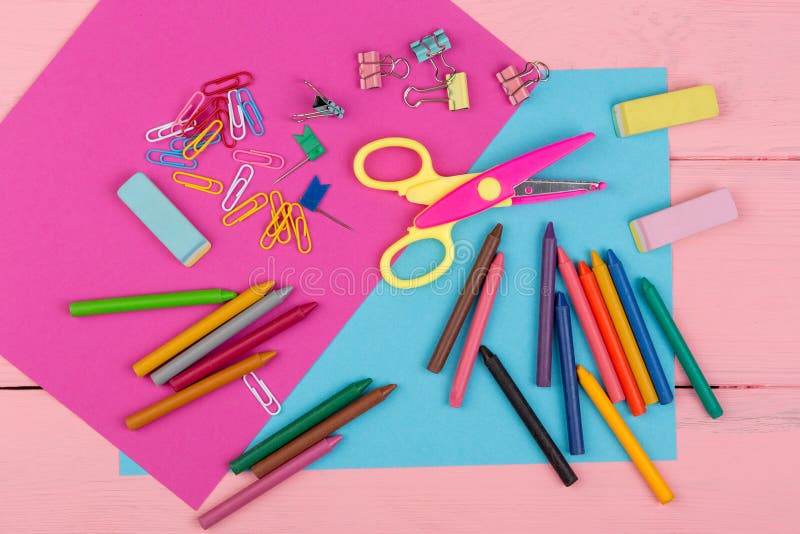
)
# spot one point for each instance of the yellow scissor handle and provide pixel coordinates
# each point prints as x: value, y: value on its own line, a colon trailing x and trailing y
x: 442, y: 234
x: 425, y: 173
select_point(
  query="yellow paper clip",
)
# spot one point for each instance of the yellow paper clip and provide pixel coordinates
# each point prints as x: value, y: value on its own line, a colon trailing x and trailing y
x: 305, y: 236
x: 201, y: 141
x: 248, y: 207
x: 206, y: 185
x: 279, y: 228
x: 457, y: 93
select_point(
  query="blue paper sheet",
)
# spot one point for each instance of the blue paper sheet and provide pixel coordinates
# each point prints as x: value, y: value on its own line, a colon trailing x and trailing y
x: 392, y: 335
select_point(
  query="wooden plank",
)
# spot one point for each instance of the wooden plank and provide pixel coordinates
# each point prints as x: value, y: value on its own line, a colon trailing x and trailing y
x: 734, y: 474
x: 728, y: 281
x: 746, y: 48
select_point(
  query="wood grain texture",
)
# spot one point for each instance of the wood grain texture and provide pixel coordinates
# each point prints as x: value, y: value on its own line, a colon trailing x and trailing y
x: 746, y: 48
x: 718, y: 483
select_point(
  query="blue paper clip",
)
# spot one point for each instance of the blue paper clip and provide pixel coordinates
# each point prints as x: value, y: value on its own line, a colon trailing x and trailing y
x: 165, y: 155
x: 430, y: 46
x: 251, y: 112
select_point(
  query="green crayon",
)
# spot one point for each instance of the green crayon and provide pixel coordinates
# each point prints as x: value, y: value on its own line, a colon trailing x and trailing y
x: 150, y: 302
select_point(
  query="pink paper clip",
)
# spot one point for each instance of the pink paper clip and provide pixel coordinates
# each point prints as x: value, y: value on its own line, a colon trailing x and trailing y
x: 227, y: 83
x: 518, y: 89
x: 371, y: 69
x: 194, y: 103
x: 261, y: 159
x: 205, y: 114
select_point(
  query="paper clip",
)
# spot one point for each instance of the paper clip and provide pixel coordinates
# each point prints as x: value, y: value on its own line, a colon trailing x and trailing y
x: 251, y: 112
x: 177, y: 144
x: 457, y: 93
x: 206, y: 185
x: 305, y: 236
x: 371, y: 69
x: 165, y: 131
x: 235, y: 116
x: 164, y: 157
x: 255, y: 203
x: 518, y: 89
x: 237, y: 187
x: 271, y: 405
x: 266, y: 158
x: 194, y: 103
x: 227, y: 83
x: 310, y: 144
x: 280, y: 227
x: 324, y: 106
x: 202, y: 141
x: 431, y: 46
x: 206, y: 113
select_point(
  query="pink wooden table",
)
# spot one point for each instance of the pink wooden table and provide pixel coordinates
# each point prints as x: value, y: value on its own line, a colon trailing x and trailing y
x: 737, y: 291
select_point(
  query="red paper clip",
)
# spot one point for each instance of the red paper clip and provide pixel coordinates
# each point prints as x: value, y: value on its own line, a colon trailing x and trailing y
x: 206, y: 113
x: 227, y: 83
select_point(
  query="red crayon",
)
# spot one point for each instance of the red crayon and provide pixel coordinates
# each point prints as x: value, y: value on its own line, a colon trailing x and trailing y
x: 611, y: 339
x: 220, y: 358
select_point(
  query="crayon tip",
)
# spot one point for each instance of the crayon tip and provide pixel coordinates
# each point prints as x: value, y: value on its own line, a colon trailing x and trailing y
x: 227, y: 295
x: 362, y: 384
x: 581, y: 372
x: 612, y: 258
x: 386, y: 390
x: 597, y: 261
x: 284, y: 291
x: 646, y: 284
x: 332, y: 441
x: 561, y: 300
x: 562, y: 256
x: 583, y: 269
x: 498, y: 261
x: 306, y: 308
x: 497, y: 231
x: 266, y: 355
x: 486, y: 354
x: 549, y: 232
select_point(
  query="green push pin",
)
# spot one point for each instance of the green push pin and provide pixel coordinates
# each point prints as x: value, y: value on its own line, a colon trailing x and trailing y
x: 311, y: 146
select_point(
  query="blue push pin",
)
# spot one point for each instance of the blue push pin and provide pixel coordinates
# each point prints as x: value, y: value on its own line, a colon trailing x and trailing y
x: 313, y: 196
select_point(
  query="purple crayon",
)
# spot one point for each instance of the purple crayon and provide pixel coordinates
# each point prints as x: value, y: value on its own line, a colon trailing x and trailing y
x: 547, y: 276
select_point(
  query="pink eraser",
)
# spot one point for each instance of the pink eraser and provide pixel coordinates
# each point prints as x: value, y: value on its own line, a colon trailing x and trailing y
x: 683, y: 220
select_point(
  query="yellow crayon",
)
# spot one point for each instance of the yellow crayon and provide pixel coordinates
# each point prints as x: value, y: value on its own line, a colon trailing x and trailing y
x: 624, y: 331
x: 188, y: 337
x: 624, y: 435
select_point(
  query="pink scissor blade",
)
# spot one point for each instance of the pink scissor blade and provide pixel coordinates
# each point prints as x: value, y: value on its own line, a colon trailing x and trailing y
x: 465, y: 201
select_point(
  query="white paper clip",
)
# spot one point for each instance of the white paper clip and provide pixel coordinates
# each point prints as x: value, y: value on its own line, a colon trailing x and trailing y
x: 236, y: 115
x: 165, y: 131
x: 237, y: 187
x: 271, y: 405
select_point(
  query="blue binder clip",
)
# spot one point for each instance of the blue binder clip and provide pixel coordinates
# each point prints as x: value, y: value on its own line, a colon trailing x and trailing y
x: 430, y: 46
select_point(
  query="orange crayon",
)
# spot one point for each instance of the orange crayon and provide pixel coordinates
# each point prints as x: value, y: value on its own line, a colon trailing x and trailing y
x: 611, y: 339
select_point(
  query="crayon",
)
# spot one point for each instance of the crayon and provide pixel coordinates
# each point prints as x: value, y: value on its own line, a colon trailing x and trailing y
x: 626, y: 337
x: 529, y: 418
x: 152, y: 301
x: 569, y: 380
x: 471, y: 288
x: 544, y: 351
x: 615, y: 350
x: 626, y: 438
x: 643, y: 339
x: 685, y: 356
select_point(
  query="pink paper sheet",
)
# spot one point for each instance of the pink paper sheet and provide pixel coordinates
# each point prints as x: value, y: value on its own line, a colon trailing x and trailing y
x: 78, y: 134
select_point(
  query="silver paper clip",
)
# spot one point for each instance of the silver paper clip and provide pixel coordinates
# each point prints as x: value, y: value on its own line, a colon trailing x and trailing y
x: 238, y: 185
x: 324, y: 106
x: 271, y: 405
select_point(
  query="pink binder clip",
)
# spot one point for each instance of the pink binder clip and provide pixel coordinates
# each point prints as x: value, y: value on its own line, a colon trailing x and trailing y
x: 516, y: 87
x: 372, y: 68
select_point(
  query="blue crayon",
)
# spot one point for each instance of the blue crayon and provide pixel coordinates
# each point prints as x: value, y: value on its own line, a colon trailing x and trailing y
x: 568, y: 375
x: 640, y: 332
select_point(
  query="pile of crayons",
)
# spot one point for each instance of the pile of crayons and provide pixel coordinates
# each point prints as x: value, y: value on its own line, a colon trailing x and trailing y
x: 197, y: 361
x: 617, y: 335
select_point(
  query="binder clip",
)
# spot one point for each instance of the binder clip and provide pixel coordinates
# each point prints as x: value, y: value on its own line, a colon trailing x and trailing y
x: 372, y: 69
x: 516, y: 87
x: 313, y: 196
x: 310, y: 145
x: 323, y: 106
x: 431, y: 46
x: 457, y: 93
x: 270, y: 404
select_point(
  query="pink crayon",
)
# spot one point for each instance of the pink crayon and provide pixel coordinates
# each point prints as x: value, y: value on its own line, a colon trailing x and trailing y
x: 590, y: 329
x: 476, y: 329
x: 262, y: 485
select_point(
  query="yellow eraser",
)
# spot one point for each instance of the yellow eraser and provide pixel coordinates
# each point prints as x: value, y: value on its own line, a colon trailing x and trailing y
x: 667, y: 109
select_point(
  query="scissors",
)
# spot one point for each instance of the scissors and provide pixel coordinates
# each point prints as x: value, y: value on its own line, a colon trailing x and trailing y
x: 450, y: 199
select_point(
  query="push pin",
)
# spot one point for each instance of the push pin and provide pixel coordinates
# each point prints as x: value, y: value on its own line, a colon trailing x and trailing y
x: 313, y: 196
x: 372, y: 69
x: 324, y: 106
x: 518, y: 89
x: 310, y: 145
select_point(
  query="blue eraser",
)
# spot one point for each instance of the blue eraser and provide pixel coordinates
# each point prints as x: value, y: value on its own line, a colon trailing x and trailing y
x: 313, y: 194
x: 160, y: 215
